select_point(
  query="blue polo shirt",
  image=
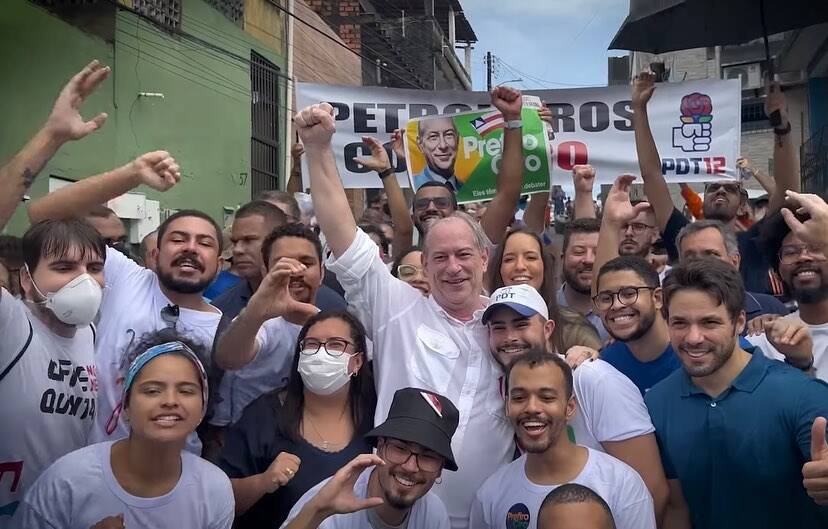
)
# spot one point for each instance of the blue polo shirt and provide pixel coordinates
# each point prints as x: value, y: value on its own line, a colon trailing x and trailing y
x: 739, y: 456
x: 643, y: 374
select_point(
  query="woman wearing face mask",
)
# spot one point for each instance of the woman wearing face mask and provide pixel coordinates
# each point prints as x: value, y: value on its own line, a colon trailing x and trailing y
x: 287, y: 442
x: 47, y: 364
x: 408, y: 266
x: 146, y: 479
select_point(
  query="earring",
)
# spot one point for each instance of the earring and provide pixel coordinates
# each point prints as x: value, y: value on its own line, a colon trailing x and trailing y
x: 439, y: 480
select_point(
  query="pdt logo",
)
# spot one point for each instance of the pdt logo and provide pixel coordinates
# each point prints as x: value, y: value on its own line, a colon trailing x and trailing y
x: 694, y: 134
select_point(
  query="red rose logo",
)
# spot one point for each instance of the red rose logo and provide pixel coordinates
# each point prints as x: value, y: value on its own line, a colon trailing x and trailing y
x: 696, y: 104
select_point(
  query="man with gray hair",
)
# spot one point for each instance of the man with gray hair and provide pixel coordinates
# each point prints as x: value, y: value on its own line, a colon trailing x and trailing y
x: 437, y: 343
x: 437, y: 139
x: 712, y: 238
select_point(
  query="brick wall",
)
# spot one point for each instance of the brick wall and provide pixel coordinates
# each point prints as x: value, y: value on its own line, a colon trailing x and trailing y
x: 334, y: 11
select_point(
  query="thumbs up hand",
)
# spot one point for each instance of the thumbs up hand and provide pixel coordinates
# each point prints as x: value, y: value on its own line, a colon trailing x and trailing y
x: 815, y: 472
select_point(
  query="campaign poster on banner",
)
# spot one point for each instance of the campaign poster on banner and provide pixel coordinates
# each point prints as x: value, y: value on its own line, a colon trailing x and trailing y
x: 464, y: 151
x: 696, y: 126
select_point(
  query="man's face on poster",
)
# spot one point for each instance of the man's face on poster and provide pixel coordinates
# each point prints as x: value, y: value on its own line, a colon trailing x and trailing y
x: 437, y: 140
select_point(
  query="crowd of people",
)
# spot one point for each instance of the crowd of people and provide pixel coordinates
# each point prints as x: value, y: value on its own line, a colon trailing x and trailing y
x: 310, y: 369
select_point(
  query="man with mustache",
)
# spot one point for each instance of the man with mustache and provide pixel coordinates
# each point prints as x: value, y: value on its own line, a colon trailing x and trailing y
x: 611, y: 414
x: 722, y: 200
x: 742, y: 436
x: 539, y: 402
x: 139, y: 301
x: 257, y: 347
x: 578, y: 259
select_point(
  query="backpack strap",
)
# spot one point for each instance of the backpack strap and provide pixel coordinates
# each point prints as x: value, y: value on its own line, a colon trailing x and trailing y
x: 20, y: 354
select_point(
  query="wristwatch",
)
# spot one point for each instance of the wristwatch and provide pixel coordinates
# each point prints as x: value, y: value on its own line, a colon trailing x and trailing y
x: 782, y: 132
x: 385, y: 173
x: 514, y: 124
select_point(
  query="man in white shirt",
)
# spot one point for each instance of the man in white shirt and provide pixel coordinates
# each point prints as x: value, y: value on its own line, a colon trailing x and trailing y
x: 138, y: 301
x: 437, y: 343
x: 611, y: 415
x: 540, y: 402
x: 413, y: 448
x: 47, y: 366
x: 258, y: 346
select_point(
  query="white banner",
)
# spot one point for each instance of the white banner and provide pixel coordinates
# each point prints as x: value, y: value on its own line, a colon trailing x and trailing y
x: 696, y: 125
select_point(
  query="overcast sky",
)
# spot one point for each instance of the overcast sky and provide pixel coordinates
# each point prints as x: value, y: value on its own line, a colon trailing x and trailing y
x: 544, y: 41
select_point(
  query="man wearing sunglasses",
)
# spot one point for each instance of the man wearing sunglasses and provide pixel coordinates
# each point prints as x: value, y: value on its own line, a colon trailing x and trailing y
x: 390, y: 488
x: 722, y: 200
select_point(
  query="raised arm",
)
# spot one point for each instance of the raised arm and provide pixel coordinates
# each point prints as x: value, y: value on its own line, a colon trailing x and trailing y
x: 294, y: 183
x: 649, y: 161
x: 238, y: 346
x: 501, y: 209
x: 400, y: 216
x: 583, y: 176
x: 156, y: 169
x: 618, y: 210
x: 785, y: 166
x: 315, y: 125
x: 63, y: 125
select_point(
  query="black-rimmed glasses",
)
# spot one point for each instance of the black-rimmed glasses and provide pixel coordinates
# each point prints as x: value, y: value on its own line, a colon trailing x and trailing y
x: 626, y: 296
x: 333, y: 346
x: 399, y: 454
x: 790, y: 253
x: 637, y: 227
x: 421, y: 204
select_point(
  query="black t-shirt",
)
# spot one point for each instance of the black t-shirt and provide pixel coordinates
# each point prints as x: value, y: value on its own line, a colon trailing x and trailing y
x: 253, y: 443
x: 754, y: 267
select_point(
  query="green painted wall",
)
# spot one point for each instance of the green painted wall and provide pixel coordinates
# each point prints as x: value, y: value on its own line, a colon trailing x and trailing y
x: 203, y: 119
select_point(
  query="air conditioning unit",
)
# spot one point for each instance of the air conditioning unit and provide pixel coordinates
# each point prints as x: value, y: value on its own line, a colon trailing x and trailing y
x: 750, y: 74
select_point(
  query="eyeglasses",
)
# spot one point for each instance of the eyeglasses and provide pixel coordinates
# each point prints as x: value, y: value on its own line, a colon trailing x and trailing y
x: 399, y: 454
x: 626, y: 296
x: 637, y: 227
x: 334, y: 347
x: 408, y: 271
x: 421, y: 204
x: 789, y: 254
x: 170, y: 315
x: 733, y: 189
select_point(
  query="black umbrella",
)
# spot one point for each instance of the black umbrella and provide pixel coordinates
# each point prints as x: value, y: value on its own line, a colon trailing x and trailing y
x: 657, y: 26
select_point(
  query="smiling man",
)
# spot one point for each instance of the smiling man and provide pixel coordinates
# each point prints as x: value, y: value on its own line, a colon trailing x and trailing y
x: 437, y: 139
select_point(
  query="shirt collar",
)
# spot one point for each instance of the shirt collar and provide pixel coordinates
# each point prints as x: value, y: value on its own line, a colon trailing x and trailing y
x: 477, y: 317
x: 562, y: 301
x: 746, y: 381
x: 440, y: 178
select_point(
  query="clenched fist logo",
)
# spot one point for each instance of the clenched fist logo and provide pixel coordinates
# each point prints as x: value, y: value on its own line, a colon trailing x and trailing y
x: 695, y: 132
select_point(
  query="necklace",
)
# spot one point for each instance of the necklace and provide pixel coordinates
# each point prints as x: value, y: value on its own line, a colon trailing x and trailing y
x: 326, y: 445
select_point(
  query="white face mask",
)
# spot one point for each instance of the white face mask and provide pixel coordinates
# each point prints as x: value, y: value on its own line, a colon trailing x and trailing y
x: 322, y: 373
x: 76, y: 303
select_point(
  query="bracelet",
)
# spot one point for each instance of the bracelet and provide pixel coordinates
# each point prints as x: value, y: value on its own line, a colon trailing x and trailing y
x: 514, y: 124
x: 782, y: 132
x: 385, y: 173
x: 806, y: 368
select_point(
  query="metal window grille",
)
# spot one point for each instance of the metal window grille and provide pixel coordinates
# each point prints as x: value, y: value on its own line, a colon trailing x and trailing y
x: 814, y: 164
x: 753, y: 117
x: 264, y: 143
x: 232, y: 9
x: 165, y: 12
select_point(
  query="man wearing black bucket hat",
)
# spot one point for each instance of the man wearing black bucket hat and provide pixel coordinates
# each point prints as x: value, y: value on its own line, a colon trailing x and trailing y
x: 390, y: 488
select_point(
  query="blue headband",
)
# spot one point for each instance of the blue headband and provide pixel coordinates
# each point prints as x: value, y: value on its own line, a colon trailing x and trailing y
x: 165, y: 348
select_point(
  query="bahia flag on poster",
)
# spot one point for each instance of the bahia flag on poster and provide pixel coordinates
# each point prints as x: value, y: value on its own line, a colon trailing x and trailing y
x: 488, y: 123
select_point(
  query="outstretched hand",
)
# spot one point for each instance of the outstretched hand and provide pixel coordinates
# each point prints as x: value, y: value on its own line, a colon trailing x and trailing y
x: 617, y: 207
x: 156, y: 169
x: 643, y: 88
x: 337, y: 496
x: 378, y: 161
x: 65, y: 122
x: 814, y: 230
x: 272, y: 299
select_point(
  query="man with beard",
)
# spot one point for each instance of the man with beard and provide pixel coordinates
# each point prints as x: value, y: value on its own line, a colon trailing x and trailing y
x: 580, y: 243
x: 611, y: 414
x: 436, y: 342
x: 437, y: 140
x: 257, y: 347
x: 742, y: 437
x: 392, y: 487
x: 639, y: 234
x: 803, y: 266
x: 539, y: 402
x: 138, y: 301
x: 722, y: 200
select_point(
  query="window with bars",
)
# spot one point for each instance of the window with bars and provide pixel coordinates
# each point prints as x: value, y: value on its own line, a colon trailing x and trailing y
x: 264, y: 143
x: 753, y: 117
x: 232, y: 9
x: 165, y: 12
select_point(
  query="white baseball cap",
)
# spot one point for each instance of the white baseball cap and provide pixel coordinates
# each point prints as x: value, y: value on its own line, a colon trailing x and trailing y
x: 523, y: 299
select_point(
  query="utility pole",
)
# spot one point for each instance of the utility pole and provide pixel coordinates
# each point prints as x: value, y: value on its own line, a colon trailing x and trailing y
x: 488, y: 71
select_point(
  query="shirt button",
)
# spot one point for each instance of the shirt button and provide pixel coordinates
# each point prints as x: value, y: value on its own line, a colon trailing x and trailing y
x: 712, y: 404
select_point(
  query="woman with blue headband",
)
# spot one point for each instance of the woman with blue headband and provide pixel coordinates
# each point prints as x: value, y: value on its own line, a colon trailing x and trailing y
x: 146, y: 480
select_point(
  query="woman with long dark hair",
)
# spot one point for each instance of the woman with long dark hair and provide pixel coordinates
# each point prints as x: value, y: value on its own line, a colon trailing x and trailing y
x: 286, y: 442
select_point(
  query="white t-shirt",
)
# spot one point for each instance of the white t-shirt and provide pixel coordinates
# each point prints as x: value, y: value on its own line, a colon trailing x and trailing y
x: 269, y: 371
x: 131, y: 308
x: 427, y: 513
x: 80, y: 490
x: 418, y: 344
x: 48, y: 398
x: 509, y: 497
x: 610, y: 407
x: 819, y: 335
